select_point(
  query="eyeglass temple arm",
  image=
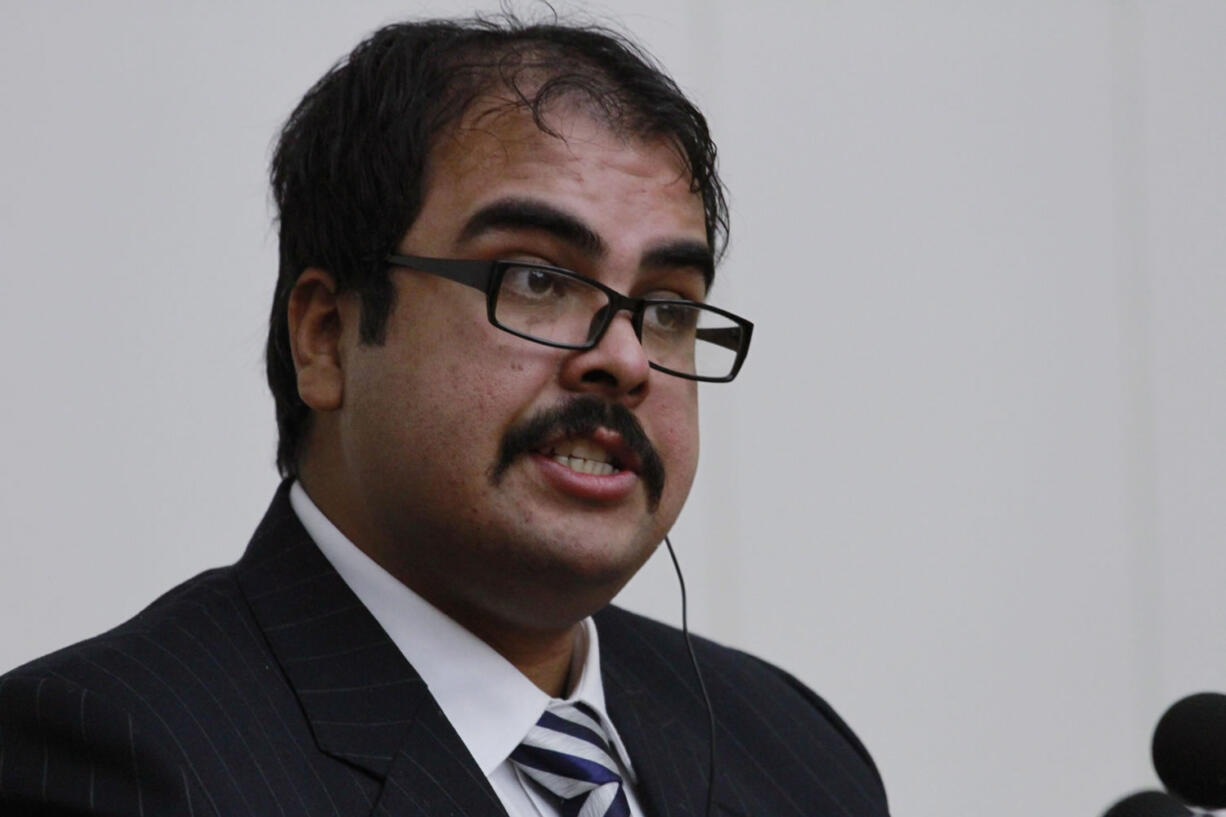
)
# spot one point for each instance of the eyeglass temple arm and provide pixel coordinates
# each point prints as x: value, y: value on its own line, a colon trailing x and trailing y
x: 475, y: 274
x: 728, y: 336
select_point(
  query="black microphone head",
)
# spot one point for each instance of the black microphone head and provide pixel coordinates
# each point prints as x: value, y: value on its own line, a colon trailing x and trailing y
x: 1148, y: 804
x: 1190, y: 750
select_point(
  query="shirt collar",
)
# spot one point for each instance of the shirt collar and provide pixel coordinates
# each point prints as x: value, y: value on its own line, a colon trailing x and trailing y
x: 489, y: 702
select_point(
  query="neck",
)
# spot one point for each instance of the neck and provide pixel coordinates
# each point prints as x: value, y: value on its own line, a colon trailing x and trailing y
x: 543, y: 656
x: 542, y: 653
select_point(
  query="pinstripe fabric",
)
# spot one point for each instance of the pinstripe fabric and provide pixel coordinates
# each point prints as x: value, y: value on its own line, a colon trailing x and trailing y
x: 781, y: 750
x: 266, y: 689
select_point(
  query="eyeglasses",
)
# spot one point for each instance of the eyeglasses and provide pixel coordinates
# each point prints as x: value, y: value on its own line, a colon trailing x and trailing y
x: 560, y: 308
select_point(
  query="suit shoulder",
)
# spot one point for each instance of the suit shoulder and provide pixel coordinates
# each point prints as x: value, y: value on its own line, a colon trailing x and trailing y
x: 143, y: 713
x: 162, y: 665
x: 96, y: 723
x: 750, y: 696
x: 67, y: 750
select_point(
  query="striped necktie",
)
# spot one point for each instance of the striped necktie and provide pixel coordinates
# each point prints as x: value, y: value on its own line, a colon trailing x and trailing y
x: 568, y: 753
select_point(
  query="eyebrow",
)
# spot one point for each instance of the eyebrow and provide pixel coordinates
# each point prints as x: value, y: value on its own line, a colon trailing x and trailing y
x: 683, y: 253
x: 531, y: 214
x: 516, y: 213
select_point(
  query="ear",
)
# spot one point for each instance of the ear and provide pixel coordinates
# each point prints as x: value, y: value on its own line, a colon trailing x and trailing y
x: 314, y: 339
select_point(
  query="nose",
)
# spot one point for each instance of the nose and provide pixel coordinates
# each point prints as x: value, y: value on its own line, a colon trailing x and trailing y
x: 615, y: 368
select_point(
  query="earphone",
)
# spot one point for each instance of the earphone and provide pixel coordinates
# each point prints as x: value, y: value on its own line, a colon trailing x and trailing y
x: 702, y: 687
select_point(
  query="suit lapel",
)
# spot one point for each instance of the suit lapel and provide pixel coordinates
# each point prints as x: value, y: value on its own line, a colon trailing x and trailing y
x: 659, y: 716
x: 433, y: 775
x: 365, y: 704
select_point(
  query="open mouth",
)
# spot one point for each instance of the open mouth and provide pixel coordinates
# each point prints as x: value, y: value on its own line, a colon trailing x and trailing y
x: 586, y: 448
x: 601, y: 454
x: 584, y: 457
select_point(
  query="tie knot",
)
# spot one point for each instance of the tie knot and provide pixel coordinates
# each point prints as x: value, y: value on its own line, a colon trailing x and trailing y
x: 568, y: 753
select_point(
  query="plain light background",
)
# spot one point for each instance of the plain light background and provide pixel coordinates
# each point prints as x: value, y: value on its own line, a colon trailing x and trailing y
x: 971, y: 485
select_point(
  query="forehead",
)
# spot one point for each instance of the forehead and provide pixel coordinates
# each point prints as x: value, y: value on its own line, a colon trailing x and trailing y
x: 578, y: 162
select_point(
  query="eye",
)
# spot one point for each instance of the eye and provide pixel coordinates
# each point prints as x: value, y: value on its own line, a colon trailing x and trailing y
x: 674, y: 317
x: 533, y: 283
x: 682, y: 291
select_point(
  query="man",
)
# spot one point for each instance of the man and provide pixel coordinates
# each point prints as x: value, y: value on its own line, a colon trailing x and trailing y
x: 485, y: 344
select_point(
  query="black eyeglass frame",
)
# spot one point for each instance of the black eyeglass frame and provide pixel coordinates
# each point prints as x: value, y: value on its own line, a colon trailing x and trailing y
x: 486, y: 276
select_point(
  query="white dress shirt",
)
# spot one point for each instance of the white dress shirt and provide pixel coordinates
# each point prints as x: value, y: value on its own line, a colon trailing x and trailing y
x: 491, y: 704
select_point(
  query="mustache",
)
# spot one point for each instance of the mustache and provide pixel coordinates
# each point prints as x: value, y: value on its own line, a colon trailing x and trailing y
x: 577, y: 418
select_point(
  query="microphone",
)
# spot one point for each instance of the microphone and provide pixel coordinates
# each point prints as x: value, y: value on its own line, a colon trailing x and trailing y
x: 1148, y: 804
x: 1189, y: 750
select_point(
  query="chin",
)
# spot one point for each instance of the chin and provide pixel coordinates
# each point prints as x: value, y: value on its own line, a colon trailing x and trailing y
x: 558, y: 608
x: 573, y: 575
x: 580, y: 562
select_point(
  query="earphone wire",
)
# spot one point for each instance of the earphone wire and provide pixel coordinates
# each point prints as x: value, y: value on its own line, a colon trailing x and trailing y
x: 702, y: 686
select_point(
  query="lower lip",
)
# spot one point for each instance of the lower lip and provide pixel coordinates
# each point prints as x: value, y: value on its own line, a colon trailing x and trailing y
x: 596, y: 488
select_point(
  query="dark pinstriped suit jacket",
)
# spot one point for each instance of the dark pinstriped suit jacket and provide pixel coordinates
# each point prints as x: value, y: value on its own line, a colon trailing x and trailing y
x: 267, y: 689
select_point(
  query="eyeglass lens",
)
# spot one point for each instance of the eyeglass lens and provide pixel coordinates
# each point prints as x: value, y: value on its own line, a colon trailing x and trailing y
x: 557, y: 308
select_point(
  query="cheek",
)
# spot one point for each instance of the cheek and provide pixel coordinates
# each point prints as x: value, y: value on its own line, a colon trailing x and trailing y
x: 481, y: 381
x: 455, y: 359
x: 678, y: 442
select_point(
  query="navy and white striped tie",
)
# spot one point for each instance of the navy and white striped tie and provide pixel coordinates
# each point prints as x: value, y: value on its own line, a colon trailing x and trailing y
x: 568, y: 753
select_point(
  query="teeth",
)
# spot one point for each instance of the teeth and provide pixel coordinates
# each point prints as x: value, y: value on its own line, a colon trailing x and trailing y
x: 583, y: 449
x: 584, y: 458
x: 584, y: 466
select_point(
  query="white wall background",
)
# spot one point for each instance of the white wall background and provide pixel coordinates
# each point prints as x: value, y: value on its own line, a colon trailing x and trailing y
x: 971, y: 485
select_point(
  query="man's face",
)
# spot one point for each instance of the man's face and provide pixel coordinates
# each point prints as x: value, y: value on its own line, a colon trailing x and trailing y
x: 425, y: 417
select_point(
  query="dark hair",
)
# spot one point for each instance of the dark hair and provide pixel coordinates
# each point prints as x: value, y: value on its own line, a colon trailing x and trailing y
x: 348, y: 169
